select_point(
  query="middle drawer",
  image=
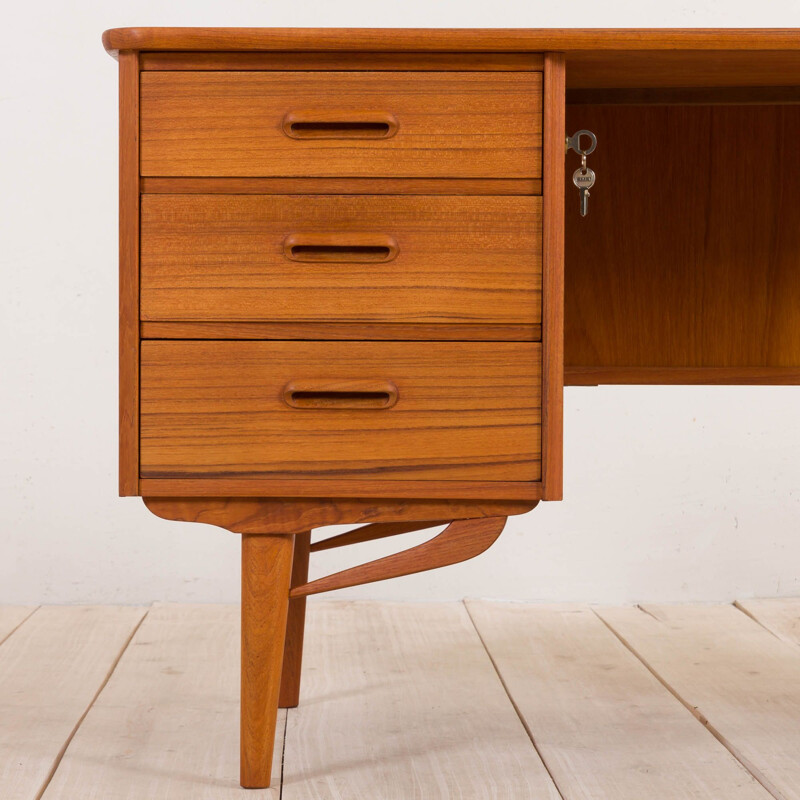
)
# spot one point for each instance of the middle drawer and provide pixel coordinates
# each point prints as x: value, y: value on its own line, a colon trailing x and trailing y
x: 323, y: 258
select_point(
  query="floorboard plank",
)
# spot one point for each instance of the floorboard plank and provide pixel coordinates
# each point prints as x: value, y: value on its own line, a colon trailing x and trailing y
x: 737, y: 678
x: 605, y: 727
x: 11, y: 617
x: 51, y: 668
x: 401, y: 702
x: 780, y: 616
x: 167, y: 723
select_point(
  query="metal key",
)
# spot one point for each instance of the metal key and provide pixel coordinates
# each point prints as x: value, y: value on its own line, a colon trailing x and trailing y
x: 583, y: 178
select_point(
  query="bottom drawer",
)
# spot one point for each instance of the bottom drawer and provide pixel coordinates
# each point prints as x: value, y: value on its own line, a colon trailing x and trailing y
x: 382, y: 410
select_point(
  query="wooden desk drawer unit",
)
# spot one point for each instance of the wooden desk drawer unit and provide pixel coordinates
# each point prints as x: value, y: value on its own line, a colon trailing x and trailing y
x: 390, y: 410
x: 340, y: 302
x: 353, y: 124
x: 411, y: 259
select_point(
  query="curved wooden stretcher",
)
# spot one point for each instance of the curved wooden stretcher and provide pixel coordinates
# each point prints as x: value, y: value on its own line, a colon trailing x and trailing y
x: 275, y: 584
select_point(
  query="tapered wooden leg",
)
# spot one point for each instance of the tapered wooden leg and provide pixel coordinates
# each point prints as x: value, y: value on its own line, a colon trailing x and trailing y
x: 295, y: 626
x: 266, y: 575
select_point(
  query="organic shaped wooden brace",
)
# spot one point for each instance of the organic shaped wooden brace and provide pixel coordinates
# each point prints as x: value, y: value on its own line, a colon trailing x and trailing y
x: 460, y: 540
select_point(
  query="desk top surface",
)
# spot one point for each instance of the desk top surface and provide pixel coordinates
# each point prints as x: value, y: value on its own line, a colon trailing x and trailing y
x: 452, y: 39
x: 596, y: 58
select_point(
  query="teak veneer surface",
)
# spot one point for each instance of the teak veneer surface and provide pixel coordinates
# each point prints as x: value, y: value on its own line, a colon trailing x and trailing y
x: 295, y: 626
x: 266, y: 579
x: 375, y: 492
x: 447, y: 124
x: 317, y: 186
x: 351, y: 331
x: 452, y: 39
x: 463, y: 410
x: 674, y: 68
x: 698, y: 265
x: 596, y: 58
x: 128, y: 274
x: 553, y: 279
x: 298, y: 60
x: 709, y: 376
x: 459, y: 541
x: 297, y: 515
x: 456, y: 259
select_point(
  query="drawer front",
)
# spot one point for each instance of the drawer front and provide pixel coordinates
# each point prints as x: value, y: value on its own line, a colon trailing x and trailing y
x: 414, y: 259
x: 352, y: 124
x: 382, y: 410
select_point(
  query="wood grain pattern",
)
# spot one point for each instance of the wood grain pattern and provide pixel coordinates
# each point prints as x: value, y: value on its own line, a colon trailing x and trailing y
x: 295, y: 626
x: 368, y: 533
x: 347, y: 489
x: 726, y: 668
x: 451, y: 260
x: 451, y: 124
x: 128, y: 273
x: 682, y: 67
x: 605, y: 727
x: 266, y: 576
x: 459, y: 541
x: 166, y: 724
x: 297, y: 514
x: 400, y: 702
x: 465, y: 411
x: 52, y: 669
x: 612, y: 60
x: 682, y: 96
x: 368, y: 186
x: 452, y: 39
x: 347, y: 331
x: 301, y: 61
x: 704, y: 275
x: 553, y: 280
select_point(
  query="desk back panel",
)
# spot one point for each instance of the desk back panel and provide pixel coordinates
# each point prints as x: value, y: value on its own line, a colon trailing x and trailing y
x: 687, y: 268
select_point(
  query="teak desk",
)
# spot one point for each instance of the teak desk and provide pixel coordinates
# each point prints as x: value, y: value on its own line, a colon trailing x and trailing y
x: 352, y: 285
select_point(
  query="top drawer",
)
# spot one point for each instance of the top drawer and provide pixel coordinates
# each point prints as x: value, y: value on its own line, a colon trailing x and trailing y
x: 348, y: 124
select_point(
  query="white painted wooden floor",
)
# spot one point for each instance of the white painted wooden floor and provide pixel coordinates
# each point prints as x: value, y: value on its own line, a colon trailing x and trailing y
x: 410, y: 702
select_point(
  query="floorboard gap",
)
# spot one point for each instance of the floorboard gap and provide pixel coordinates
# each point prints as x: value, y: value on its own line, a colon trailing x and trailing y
x: 283, y: 750
x: 519, y: 714
x: 696, y: 713
x: 19, y: 625
x: 646, y: 611
x: 762, y: 625
x: 103, y: 684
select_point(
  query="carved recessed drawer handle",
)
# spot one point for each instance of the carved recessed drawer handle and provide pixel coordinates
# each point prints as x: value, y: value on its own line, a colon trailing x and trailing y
x: 341, y: 247
x: 340, y: 125
x: 361, y: 395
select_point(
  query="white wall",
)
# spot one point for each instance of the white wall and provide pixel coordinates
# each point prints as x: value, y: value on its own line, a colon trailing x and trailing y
x: 671, y: 493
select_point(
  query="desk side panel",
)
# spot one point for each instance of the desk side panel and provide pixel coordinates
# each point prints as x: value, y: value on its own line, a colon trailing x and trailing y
x: 553, y: 277
x: 128, y: 273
